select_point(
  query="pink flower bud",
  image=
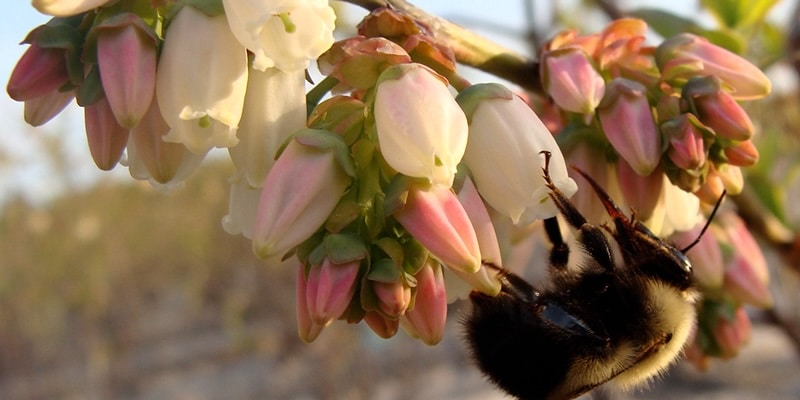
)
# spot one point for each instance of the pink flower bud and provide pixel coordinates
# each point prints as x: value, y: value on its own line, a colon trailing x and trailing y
x: 40, y: 110
x: 706, y: 256
x: 126, y: 55
x: 641, y: 193
x: 688, y: 146
x: 329, y: 290
x: 106, y: 138
x: 40, y: 70
x: 307, y: 329
x: 161, y: 159
x: 717, y: 109
x: 732, y: 334
x: 382, y: 326
x: 746, y: 274
x: 571, y: 79
x: 686, y: 55
x: 731, y: 177
x: 393, y: 297
x: 434, y: 216
x: 742, y: 154
x: 421, y: 130
x: 627, y: 120
x: 300, y: 191
x: 429, y: 315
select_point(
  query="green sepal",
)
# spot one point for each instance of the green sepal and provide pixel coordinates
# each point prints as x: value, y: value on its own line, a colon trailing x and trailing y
x: 212, y: 8
x: 396, y: 194
x: 384, y: 270
x: 392, y: 248
x: 343, y: 248
x: 91, y: 91
x: 346, y: 212
x: 341, y: 114
x: 471, y: 97
x: 305, y: 249
x: 328, y: 141
x: 64, y: 34
x: 414, y: 256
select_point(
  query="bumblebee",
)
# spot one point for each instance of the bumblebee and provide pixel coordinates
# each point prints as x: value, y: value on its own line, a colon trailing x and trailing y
x: 622, y: 316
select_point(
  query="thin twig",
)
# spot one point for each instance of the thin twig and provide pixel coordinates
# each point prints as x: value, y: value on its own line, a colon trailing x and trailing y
x: 469, y: 48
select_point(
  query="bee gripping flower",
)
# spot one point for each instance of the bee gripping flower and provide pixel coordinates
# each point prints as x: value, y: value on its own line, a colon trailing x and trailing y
x: 300, y: 191
x: 282, y: 34
x: 421, y: 130
x: 503, y: 154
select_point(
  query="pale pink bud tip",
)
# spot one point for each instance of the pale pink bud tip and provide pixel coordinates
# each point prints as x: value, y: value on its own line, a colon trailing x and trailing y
x: 429, y: 315
x: 434, y: 216
x: 38, y: 72
x: 571, y: 79
x: 126, y: 55
x: 627, y: 119
x: 330, y: 288
x: 307, y: 329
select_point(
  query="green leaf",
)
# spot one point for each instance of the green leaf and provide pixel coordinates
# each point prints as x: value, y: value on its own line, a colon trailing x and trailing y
x: 392, y: 248
x: 91, y: 91
x: 738, y: 13
x: 212, y: 8
x: 415, y: 256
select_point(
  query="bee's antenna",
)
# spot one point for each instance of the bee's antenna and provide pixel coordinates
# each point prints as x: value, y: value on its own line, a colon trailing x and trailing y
x: 708, y: 223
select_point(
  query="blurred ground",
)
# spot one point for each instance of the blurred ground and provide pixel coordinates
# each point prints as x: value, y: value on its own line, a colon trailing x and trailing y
x: 125, y: 293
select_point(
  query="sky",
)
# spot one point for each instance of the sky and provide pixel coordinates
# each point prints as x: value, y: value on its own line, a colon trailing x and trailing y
x: 26, y: 171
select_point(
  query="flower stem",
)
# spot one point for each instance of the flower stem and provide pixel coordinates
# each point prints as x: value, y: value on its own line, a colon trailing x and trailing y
x: 318, y: 92
x: 469, y: 48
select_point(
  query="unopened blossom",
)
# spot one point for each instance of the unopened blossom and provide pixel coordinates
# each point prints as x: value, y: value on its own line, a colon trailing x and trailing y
x: 393, y: 297
x: 503, y: 154
x: 307, y: 329
x: 717, y: 109
x: 571, y: 79
x: 641, y: 193
x: 40, y: 110
x: 434, y: 216
x: 126, y: 55
x: 687, y: 141
x: 152, y: 158
x: 107, y: 139
x: 274, y: 108
x: 429, y: 315
x: 627, y: 120
x: 591, y: 159
x: 201, y: 81
x: 299, y: 192
x: 687, y: 55
x: 746, y: 273
x: 730, y: 334
x: 65, y: 8
x: 742, y: 154
x: 381, y: 325
x: 282, y: 34
x: 330, y: 286
x: 40, y: 70
x: 421, y: 130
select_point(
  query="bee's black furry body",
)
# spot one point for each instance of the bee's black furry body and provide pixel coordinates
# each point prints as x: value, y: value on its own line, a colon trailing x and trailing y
x: 610, y: 319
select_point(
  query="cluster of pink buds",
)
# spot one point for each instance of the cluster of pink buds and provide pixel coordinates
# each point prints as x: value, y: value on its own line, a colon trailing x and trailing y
x: 650, y: 112
x: 732, y: 272
x: 394, y: 223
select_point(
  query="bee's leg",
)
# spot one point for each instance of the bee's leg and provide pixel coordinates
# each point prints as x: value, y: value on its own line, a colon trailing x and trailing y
x: 591, y: 237
x: 514, y: 285
x: 559, y: 254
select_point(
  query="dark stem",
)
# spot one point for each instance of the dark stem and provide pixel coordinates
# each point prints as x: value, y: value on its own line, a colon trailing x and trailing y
x: 469, y: 48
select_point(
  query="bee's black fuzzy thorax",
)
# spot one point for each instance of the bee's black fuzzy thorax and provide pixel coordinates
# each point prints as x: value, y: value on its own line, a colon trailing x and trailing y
x: 623, y: 322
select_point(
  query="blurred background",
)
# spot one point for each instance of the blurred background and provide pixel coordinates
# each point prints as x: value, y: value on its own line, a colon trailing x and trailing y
x: 111, y: 289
